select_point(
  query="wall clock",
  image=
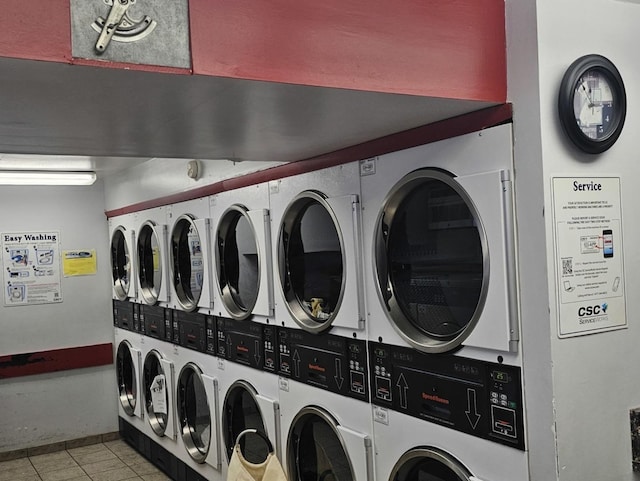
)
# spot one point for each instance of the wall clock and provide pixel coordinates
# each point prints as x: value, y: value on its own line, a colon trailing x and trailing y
x: 592, y: 103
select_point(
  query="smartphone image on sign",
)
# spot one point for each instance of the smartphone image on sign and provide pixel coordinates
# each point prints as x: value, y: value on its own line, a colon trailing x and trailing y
x: 607, y: 236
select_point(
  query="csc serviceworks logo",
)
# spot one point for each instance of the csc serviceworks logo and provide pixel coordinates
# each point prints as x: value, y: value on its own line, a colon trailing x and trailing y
x: 597, y: 310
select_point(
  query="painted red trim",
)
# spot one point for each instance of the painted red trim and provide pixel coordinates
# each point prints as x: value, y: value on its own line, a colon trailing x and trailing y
x: 131, y: 66
x: 27, y: 364
x: 431, y: 48
x: 36, y: 30
x: 444, y: 129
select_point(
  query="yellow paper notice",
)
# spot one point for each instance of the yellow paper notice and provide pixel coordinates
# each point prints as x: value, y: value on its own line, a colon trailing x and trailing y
x: 79, y: 263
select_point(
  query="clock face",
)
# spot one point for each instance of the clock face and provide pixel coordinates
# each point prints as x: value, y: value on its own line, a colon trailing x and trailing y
x: 592, y: 103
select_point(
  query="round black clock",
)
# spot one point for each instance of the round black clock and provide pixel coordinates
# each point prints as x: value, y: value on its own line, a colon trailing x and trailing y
x: 592, y: 103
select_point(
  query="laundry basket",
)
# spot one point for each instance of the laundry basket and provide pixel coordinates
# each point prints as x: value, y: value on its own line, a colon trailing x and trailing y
x: 242, y: 470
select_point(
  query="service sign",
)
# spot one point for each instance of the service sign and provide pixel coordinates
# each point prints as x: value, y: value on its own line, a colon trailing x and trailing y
x: 31, y: 262
x: 588, y: 255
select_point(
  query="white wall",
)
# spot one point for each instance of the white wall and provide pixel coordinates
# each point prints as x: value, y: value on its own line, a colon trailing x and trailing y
x: 161, y: 177
x: 48, y: 408
x: 586, y: 415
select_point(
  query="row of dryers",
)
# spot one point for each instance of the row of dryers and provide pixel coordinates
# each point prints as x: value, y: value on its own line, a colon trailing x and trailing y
x: 404, y: 263
x: 191, y: 383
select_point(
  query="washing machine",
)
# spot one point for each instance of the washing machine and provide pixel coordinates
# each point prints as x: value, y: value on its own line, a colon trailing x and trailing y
x: 152, y: 256
x: 190, y: 255
x: 247, y: 364
x: 123, y: 278
x: 197, y: 401
x: 243, y: 254
x: 317, y: 251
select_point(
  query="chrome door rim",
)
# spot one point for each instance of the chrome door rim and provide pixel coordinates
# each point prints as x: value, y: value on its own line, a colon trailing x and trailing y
x: 226, y: 221
x: 399, y: 321
x: 158, y: 427
x: 431, y: 453
x: 120, y: 289
x: 149, y: 294
x: 188, y: 303
x: 291, y: 213
x: 194, y: 452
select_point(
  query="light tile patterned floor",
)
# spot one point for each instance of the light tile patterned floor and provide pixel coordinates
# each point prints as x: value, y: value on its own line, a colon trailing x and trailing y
x: 110, y: 461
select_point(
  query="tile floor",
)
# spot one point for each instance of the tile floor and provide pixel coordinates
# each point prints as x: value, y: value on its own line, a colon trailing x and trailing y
x: 109, y: 461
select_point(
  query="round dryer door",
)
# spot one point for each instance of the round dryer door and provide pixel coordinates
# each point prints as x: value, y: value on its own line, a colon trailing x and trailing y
x: 120, y: 263
x: 238, y: 262
x: 311, y: 261
x: 241, y: 412
x: 126, y: 378
x: 187, y: 262
x: 315, y: 451
x: 194, y: 413
x: 431, y: 261
x: 149, y: 263
x: 156, y: 392
x: 428, y: 464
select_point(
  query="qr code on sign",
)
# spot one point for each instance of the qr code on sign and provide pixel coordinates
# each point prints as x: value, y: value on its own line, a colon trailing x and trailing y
x: 567, y: 266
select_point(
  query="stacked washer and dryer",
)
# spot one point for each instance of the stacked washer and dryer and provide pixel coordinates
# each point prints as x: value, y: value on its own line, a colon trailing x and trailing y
x: 245, y: 330
x: 442, y: 311
x: 364, y: 317
x: 326, y: 422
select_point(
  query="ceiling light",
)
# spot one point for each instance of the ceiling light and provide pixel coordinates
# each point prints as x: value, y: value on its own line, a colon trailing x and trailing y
x: 39, y: 177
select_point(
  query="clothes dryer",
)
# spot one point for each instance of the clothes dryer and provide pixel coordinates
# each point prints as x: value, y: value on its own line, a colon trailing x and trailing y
x: 243, y: 254
x: 197, y: 402
x: 328, y: 436
x: 317, y: 256
x: 128, y: 356
x: 249, y: 399
x: 123, y: 276
x: 158, y: 376
x: 439, y: 242
x: 152, y: 257
x: 409, y: 450
x: 441, y: 298
x: 191, y: 265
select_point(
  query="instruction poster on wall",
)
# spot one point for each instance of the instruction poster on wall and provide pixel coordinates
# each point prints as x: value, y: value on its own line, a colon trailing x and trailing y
x: 31, y: 262
x: 588, y: 255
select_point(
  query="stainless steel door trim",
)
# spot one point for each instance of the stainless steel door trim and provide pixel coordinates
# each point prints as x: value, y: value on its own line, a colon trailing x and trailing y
x: 416, y: 454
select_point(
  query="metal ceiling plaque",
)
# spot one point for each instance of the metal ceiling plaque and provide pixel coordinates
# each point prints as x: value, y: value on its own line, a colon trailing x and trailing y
x: 151, y: 32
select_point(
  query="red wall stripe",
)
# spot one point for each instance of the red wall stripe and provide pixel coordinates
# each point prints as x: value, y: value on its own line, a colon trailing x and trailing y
x: 39, y: 30
x: 426, y: 134
x: 27, y: 364
x: 450, y: 49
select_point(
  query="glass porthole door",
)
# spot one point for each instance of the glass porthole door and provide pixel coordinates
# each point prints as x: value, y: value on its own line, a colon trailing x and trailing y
x: 240, y: 412
x: 127, y: 376
x: 315, y: 449
x: 157, y: 389
x: 428, y: 464
x: 238, y: 262
x: 431, y: 260
x: 150, y: 268
x: 187, y: 262
x: 194, y: 413
x: 120, y: 263
x: 311, y: 261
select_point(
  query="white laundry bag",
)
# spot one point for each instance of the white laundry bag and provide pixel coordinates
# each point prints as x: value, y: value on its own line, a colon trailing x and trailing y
x: 242, y: 470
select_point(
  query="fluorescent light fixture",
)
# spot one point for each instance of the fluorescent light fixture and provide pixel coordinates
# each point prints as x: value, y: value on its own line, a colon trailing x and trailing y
x: 40, y: 177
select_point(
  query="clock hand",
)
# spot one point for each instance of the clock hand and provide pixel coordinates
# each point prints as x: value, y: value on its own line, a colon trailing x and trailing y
x: 587, y: 92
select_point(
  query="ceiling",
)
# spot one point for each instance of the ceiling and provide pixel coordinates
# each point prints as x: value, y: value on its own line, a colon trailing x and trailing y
x: 116, y: 118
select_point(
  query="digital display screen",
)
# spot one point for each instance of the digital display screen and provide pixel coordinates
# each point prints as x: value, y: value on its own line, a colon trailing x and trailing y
x: 500, y: 376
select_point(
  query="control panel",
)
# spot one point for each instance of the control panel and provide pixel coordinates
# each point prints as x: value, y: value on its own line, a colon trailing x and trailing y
x: 123, y: 314
x: 334, y: 363
x: 138, y: 324
x: 156, y: 321
x: 191, y: 329
x: 479, y: 398
x: 246, y: 342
